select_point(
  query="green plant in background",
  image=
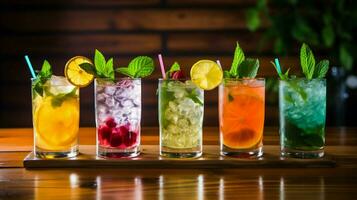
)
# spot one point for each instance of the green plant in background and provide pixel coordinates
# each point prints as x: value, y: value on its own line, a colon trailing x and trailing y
x: 328, y: 25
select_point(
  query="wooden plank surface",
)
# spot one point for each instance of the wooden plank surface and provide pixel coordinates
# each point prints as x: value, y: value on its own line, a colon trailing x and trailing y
x: 149, y: 158
x: 219, y: 183
x: 128, y: 19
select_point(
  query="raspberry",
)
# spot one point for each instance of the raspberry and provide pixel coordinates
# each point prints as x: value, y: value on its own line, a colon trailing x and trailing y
x: 177, y: 75
x: 104, y: 132
x: 110, y: 121
x: 116, y: 137
x: 130, y: 138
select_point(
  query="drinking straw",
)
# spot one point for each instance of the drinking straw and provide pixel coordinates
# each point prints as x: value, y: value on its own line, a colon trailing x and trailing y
x: 162, y: 66
x: 219, y: 64
x: 276, y: 60
x: 30, y: 66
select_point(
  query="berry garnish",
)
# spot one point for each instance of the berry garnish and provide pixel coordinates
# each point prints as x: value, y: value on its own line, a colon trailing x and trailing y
x: 115, y: 137
x: 104, y: 132
x: 110, y: 121
x: 177, y: 75
x: 130, y: 138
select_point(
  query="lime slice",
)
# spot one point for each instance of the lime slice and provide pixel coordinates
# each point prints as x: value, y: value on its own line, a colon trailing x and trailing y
x: 206, y: 74
x: 75, y: 74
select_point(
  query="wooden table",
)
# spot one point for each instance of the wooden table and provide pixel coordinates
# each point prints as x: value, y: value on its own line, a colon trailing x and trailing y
x: 110, y: 183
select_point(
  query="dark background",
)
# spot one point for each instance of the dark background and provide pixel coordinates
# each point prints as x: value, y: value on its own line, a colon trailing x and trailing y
x: 182, y: 30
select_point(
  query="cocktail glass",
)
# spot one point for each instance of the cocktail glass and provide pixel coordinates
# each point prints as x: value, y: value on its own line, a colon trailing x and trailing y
x: 55, y: 111
x: 180, y: 118
x: 241, y: 117
x: 302, y: 106
x: 118, y: 116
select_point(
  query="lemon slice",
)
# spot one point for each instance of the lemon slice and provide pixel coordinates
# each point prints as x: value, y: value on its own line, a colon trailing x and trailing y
x: 57, y: 127
x: 206, y: 74
x: 75, y: 74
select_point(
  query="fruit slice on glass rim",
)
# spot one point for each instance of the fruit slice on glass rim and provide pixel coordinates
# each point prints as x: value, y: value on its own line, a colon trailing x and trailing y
x: 75, y: 74
x: 206, y: 74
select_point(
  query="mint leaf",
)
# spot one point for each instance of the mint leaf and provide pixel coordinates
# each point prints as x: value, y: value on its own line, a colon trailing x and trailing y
x: 226, y: 74
x: 307, y: 61
x: 280, y: 73
x: 321, y: 69
x: 144, y: 66
x: 99, y: 62
x: 237, y: 60
x: 248, y: 68
x: 125, y: 71
x: 174, y: 67
x: 38, y: 87
x: 230, y: 97
x: 58, y: 99
x: 102, y: 68
x: 42, y: 77
x: 141, y: 66
x: 89, y: 68
x: 194, y: 96
x: 46, y: 71
x: 109, y: 70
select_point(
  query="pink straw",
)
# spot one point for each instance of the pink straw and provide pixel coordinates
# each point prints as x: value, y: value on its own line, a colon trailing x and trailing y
x: 162, y: 66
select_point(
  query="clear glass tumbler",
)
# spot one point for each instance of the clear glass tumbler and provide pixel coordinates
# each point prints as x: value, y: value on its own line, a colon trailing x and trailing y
x: 181, y: 105
x: 302, y: 105
x: 118, y: 116
x: 55, y: 111
x: 241, y: 117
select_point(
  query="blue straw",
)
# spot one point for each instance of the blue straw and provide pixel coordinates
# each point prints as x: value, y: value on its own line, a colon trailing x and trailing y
x: 30, y: 66
x: 277, y: 65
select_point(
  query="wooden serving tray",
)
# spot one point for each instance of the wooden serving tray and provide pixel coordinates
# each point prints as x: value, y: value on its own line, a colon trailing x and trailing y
x: 149, y: 158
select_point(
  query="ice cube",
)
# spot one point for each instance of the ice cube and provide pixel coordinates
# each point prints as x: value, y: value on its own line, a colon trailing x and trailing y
x: 59, y: 84
x: 109, y: 90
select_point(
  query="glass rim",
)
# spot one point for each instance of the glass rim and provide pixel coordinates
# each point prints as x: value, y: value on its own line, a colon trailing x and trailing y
x: 301, y: 78
x: 244, y: 79
x: 117, y: 78
x: 171, y: 79
x: 54, y: 85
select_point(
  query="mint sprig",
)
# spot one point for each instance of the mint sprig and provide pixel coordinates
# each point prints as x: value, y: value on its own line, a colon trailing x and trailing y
x: 42, y: 77
x: 283, y: 76
x: 58, y: 99
x: 242, y: 67
x: 237, y: 60
x: 174, y: 68
x: 139, y: 67
x: 309, y: 68
x: 101, y: 68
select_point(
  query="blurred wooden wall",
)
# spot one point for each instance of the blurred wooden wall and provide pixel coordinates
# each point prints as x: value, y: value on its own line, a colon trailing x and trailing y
x: 182, y: 30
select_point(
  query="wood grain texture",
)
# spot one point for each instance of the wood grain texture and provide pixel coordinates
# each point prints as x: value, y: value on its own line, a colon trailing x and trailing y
x: 243, y: 183
x: 80, y: 44
x: 149, y: 158
x: 112, y: 19
x: 69, y: 3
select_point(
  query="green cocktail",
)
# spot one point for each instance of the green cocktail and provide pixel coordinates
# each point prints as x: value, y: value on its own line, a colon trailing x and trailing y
x: 302, y: 106
x: 180, y: 118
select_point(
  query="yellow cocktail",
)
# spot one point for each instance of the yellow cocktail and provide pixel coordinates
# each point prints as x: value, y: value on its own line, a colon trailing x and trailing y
x: 55, y: 110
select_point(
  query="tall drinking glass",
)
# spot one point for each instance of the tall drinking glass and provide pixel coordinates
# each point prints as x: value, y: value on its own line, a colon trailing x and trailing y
x: 302, y: 106
x: 180, y: 118
x: 241, y: 117
x: 118, y: 116
x: 55, y: 111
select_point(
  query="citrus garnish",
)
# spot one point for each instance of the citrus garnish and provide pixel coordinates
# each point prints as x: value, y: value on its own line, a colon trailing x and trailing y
x: 206, y: 74
x: 57, y: 127
x: 243, y: 139
x: 75, y: 74
x: 240, y: 128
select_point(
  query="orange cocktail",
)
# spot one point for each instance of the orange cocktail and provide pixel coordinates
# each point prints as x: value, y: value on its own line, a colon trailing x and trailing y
x: 241, y: 117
